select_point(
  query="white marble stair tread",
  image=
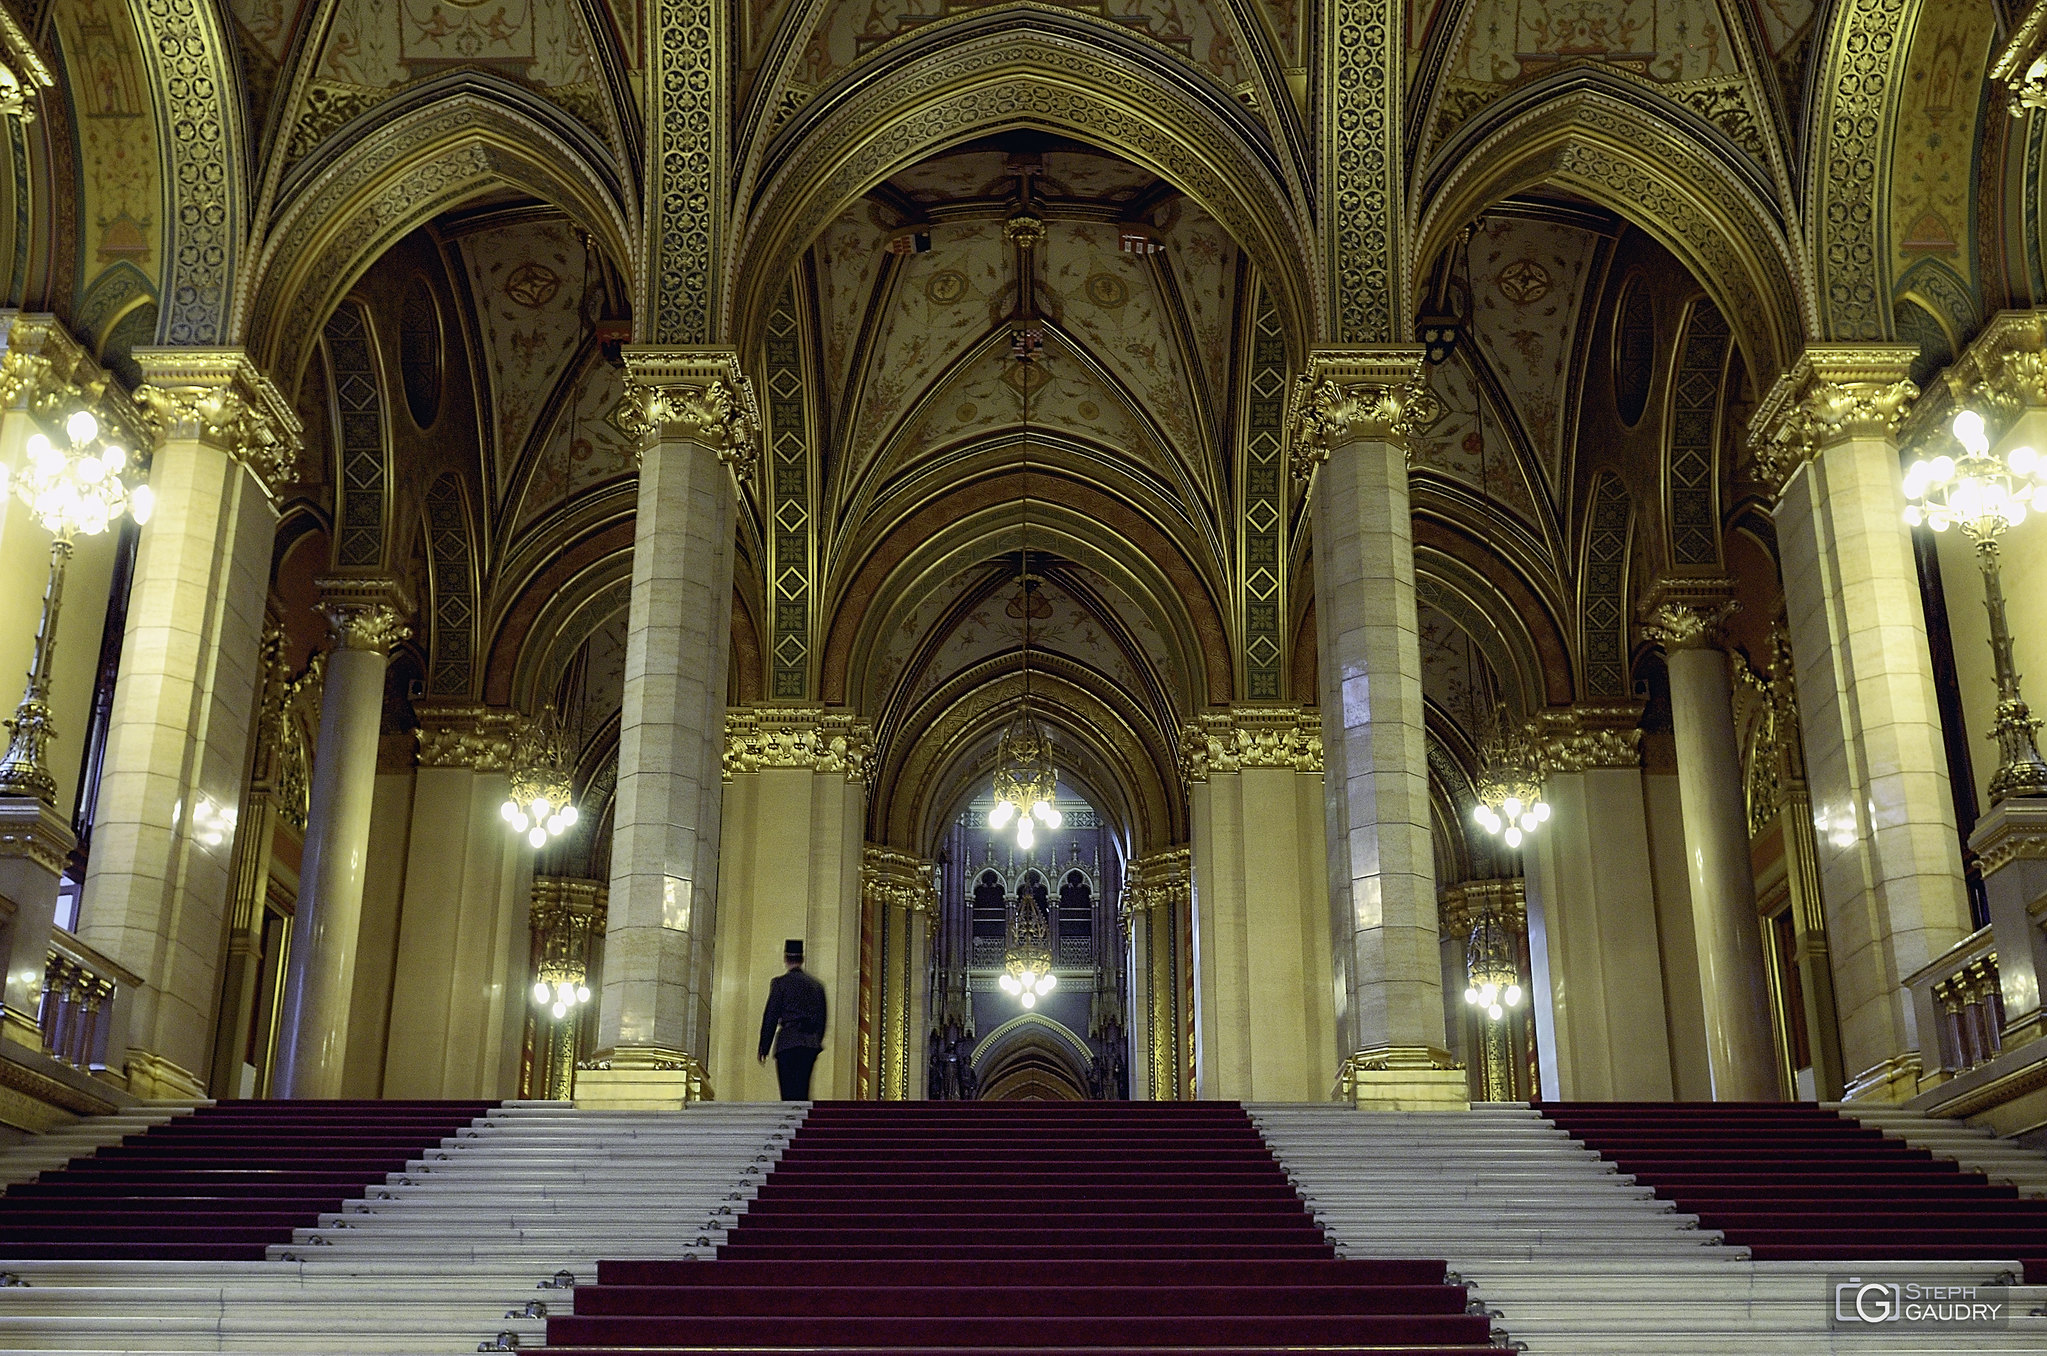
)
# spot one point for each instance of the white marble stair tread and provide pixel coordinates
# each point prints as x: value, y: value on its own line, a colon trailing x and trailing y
x: 1973, y: 1148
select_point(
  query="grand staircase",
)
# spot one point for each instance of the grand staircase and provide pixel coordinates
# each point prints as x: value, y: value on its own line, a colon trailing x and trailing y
x: 1032, y: 1227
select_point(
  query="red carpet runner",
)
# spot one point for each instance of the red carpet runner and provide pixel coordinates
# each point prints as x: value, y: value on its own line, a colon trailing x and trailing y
x: 223, y: 1183
x: 949, y: 1227
x: 1800, y: 1183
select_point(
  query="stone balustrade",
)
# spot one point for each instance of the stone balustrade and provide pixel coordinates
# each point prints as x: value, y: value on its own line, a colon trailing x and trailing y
x: 83, y: 992
x: 1961, y: 1006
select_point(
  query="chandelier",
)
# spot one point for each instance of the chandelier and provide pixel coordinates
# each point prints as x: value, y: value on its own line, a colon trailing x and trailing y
x: 1494, y: 983
x: 1510, y: 803
x: 1027, y: 964
x: 541, y: 804
x: 1025, y: 780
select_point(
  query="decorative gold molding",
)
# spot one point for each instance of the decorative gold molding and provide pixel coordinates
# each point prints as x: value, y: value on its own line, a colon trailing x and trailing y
x: 476, y: 737
x: 1459, y: 907
x: 1579, y: 738
x: 23, y: 72
x: 1351, y: 395
x: 1157, y: 880
x: 218, y: 397
x: 1250, y: 737
x: 1687, y: 613
x: 364, y: 612
x: 1363, y: 169
x: 697, y: 395
x: 687, y: 50
x: 1832, y: 394
x: 898, y: 880
x: 2014, y: 67
x: 31, y: 830
x: 811, y: 737
x: 46, y: 371
x: 2015, y: 830
x: 2000, y: 375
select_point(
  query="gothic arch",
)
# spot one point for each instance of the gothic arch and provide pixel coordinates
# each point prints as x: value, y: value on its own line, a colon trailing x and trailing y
x: 405, y: 162
x: 1650, y: 171
x: 1078, y: 77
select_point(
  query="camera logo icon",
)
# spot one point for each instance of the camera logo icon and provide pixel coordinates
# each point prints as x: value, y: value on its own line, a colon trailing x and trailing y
x: 1860, y: 1301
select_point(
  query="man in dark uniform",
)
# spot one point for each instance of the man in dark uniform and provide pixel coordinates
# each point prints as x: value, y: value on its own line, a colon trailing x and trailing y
x: 796, y: 1006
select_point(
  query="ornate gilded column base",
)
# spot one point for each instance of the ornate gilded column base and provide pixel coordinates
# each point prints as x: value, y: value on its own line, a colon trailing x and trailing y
x: 1404, y: 1078
x: 641, y: 1078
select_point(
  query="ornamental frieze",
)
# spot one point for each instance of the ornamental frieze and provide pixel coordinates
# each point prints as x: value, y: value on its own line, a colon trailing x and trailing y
x: 1251, y: 737
x: 759, y: 737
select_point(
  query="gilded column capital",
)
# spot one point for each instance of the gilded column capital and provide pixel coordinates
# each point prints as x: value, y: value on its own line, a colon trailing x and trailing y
x: 695, y: 395
x: 23, y: 72
x: 898, y: 880
x: 811, y: 737
x: 48, y: 373
x: 1361, y: 394
x: 2018, y: 66
x: 1832, y: 394
x: 218, y: 397
x: 463, y: 735
x: 1687, y: 613
x: 1157, y: 880
x: 2003, y: 371
x: 1459, y: 907
x: 1579, y: 738
x: 1238, y: 737
x: 364, y: 612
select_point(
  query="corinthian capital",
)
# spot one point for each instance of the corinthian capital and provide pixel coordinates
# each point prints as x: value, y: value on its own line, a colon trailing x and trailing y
x: 807, y: 737
x: 23, y: 72
x: 1683, y: 613
x: 1832, y: 394
x: 694, y: 395
x: 50, y: 374
x: 1349, y: 395
x: 218, y: 397
x: 2003, y: 371
x: 1250, y: 736
x: 364, y: 612
x: 1574, y: 738
x: 463, y: 735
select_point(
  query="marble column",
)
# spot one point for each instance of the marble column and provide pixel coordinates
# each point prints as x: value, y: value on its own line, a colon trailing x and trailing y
x: 697, y: 419
x: 899, y: 905
x: 158, y: 887
x: 1348, y: 421
x: 1889, y: 859
x: 1259, y: 865
x: 1158, y: 912
x: 364, y: 616
x: 1685, y: 616
x: 1598, y: 982
x: 459, y: 989
x: 790, y: 860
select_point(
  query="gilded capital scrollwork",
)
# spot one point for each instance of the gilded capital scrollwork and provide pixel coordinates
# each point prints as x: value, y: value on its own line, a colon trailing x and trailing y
x: 694, y: 395
x: 1459, y: 907
x: 1684, y: 613
x: 1250, y: 736
x: 23, y: 72
x: 759, y: 737
x: 50, y: 374
x: 1353, y: 395
x: 2003, y: 371
x: 1158, y: 880
x: 364, y: 613
x: 218, y: 397
x: 898, y: 880
x: 2019, y: 67
x: 459, y: 735
x: 1578, y: 738
x: 1832, y: 394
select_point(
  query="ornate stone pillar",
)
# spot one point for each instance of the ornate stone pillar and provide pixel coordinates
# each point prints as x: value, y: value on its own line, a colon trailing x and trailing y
x: 158, y: 886
x: 459, y: 990
x: 899, y: 913
x: 365, y: 617
x: 1598, y: 989
x: 1259, y: 865
x: 1685, y: 616
x: 796, y: 803
x: 1889, y: 859
x: 567, y: 924
x: 1348, y: 420
x: 697, y: 419
x: 1158, y: 903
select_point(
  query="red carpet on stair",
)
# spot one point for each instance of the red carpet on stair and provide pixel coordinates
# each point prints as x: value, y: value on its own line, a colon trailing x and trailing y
x: 223, y: 1183
x: 1797, y: 1182
x: 948, y: 1227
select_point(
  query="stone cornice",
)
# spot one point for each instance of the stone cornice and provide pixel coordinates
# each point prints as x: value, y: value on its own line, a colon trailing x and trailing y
x: 364, y: 612
x: 1159, y: 878
x: 218, y: 397
x: 2014, y: 830
x: 1250, y: 737
x: 1687, y: 613
x: 1577, y: 738
x: 2000, y: 375
x: 1347, y: 395
x: 479, y: 738
x: 47, y: 372
x: 811, y: 737
x: 898, y: 880
x: 695, y: 395
x: 1833, y: 393
x: 32, y: 830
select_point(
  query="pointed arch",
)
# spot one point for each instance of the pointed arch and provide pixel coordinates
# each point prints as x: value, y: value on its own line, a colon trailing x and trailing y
x: 1641, y: 165
x: 405, y: 162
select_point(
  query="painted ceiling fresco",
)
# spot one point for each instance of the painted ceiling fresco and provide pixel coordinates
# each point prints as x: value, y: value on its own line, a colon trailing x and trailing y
x: 527, y: 282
